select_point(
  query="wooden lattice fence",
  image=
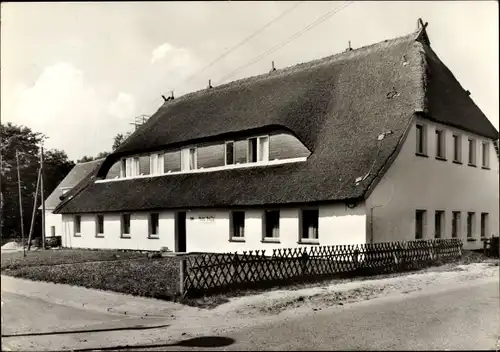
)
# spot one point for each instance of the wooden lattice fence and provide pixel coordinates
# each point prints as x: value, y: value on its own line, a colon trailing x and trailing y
x: 214, y: 272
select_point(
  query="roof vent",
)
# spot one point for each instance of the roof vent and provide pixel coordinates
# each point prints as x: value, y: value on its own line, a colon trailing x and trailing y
x: 272, y: 67
x: 468, y: 93
x: 349, y: 48
x: 209, y: 84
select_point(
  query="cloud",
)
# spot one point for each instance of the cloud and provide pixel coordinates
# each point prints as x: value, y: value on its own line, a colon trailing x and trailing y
x: 123, y: 107
x: 172, y: 58
x: 72, y: 113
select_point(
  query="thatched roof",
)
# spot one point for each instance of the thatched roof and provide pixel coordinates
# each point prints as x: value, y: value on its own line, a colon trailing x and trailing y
x: 76, y: 175
x: 337, y: 106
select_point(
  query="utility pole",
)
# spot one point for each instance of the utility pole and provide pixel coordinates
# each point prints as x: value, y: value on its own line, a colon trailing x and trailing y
x: 20, y: 202
x: 1, y: 195
x: 43, y: 199
x: 35, y: 198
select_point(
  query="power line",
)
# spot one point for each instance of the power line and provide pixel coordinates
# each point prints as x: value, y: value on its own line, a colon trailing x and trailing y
x: 244, y: 41
x: 288, y: 40
x: 229, y: 51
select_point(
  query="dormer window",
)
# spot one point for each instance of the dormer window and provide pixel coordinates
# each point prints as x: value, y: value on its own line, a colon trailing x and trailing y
x: 230, y: 153
x: 189, y: 159
x: 258, y: 149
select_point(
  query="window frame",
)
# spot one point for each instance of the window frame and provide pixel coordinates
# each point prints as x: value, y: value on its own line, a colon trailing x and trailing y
x: 258, y: 149
x: 485, y: 155
x: 225, y: 153
x: 123, y: 168
x: 97, y: 225
x: 439, y: 232
x: 151, y: 227
x: 440, y: 144
x: 421, y: 143
x: 234, y: 235
x: 266, y: 218
x: 457, y: 148
x: 123, y: 234
x: 471, y: 224
x: 484, y: 225
x: 424, y: 224
x: 303, y: 217
x: 472, y: 152
x: 77, y: 227
x: 456, y: 217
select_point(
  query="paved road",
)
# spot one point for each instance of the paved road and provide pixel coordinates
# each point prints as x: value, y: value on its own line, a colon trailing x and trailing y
x: 32, y: 323
x: 463, y: 317
x: 460, y: 319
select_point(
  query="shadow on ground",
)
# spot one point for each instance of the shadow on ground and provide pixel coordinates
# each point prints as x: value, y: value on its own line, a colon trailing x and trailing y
x: 68, y: 332
x: 200, y: 342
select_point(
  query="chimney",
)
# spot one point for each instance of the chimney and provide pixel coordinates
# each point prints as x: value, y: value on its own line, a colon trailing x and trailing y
x: 210, y: 84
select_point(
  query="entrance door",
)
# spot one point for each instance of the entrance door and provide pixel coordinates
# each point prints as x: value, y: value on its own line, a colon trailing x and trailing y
x: 180, y: 231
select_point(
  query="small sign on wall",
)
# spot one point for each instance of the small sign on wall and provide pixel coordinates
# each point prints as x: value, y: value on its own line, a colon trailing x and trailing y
x: 206, y: 218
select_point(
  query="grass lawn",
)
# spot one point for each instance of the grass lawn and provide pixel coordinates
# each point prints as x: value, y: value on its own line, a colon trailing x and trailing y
x: 156, y: 278
x: 14, y: 260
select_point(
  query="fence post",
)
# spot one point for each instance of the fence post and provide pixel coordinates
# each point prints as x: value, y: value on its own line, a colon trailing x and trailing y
x: 303, y: 262
x: 182, y: 277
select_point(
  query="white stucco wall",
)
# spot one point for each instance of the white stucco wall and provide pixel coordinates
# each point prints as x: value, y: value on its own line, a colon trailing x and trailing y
x: 337, y: 224
x: 53, y: 220
x: 415, y: 182
x: 112, y: 238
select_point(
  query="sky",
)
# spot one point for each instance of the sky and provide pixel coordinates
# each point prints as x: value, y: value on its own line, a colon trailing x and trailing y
x: 80, y: 72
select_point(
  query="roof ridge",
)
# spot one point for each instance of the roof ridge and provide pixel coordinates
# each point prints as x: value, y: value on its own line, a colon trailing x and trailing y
x: 326, y: 59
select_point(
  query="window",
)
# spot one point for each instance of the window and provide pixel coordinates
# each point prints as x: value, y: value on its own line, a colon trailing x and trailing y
x: 156, y: 164
x: 420, y: 139
x: 252, y: 150
x: 455, y: 224
x: 237, y: 224
x: 153, y: 224
x: 272, y: 224
x: 99, y: 224
x: 192, y: 159
x: 258, y: 149
x: 486, y: 155
x: 419, y: 224
x: 264, y: 148
x: 52, y: 231
x: 123, y: 170
x: 125, y: 225
x: 438, y: 223
x: 457, y: 150
x: 484, y: 224
x: 77, y: 221
x: 130, y: 167
x: 309, y: 229
x: 470, y: 224
x: 229, y: 153
x: 440, y: 144
x: 472, y: 152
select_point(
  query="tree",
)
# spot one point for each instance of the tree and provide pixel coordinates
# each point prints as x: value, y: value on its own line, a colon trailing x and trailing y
x: 119, y: 139
x: 85, y: 159
x: 56, y: 167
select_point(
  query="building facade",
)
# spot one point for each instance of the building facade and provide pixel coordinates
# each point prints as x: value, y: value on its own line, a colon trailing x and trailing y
x: 375, y: 144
